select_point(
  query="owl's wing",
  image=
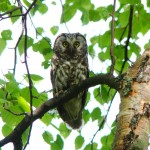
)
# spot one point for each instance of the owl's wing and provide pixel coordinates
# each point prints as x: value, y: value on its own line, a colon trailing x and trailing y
x: 52, y: 77
x: 85, y: 92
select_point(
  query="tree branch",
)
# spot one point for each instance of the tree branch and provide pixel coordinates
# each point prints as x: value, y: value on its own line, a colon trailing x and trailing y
x: 63, y: 20
x: 128, y: 38
x: 112, y: 41
x: 56, y: 101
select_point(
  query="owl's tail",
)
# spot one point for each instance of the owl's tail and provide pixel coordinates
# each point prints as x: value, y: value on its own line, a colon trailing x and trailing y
x: 77, y: 123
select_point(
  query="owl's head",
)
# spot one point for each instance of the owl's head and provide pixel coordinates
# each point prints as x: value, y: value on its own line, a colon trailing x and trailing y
x: 70, y: 45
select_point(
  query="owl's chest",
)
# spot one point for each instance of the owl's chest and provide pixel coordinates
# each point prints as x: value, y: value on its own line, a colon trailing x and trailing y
x: 70, y: 69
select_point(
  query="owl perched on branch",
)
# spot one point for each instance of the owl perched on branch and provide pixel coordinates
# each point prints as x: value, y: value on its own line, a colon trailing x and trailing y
x: 69, y: 67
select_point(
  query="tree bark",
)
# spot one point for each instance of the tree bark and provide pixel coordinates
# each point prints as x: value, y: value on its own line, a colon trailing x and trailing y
x: 133, y: 124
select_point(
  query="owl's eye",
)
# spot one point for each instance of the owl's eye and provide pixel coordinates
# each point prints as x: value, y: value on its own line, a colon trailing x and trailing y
x: 65, y: 44
x: 76, y: 44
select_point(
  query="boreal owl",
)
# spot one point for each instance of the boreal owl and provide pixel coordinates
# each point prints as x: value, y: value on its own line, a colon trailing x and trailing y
x: 69, y: 66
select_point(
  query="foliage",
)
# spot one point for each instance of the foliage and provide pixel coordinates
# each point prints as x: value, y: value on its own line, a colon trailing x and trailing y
x: 15, y: 94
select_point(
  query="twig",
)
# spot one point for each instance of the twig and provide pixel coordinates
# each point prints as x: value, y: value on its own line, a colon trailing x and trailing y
x: 103, y: 121
x: 128, y: 38
x: 11, y: 16
x: 112, y: 41
x: 38, y: 32
x: 29, y: 78
x: 129, y: 32
x: 24, y: 23
x: 121, y: 37
x: 63, y: 16
x: 16, y: 114
x: 2, y: 18
x: 15, y: 49
x: 10, y: 11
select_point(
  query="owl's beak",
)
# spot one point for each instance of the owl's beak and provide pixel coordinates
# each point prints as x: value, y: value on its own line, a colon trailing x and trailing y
x: 72, y: 50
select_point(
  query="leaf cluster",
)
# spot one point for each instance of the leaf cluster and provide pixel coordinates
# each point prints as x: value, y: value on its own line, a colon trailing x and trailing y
x: 131, y: 20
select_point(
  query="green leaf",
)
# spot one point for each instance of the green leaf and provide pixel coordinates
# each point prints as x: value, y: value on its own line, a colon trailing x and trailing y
x: 88, y: 96
x: 47, y: 136
x: 3, y: 94
x: 2, y: 82
x: 132, y: 2
x: 4, y: 5
x: 86, y: 4
x: 123, y: 18
x: 23, y: 104
x: 69, y: 12
x: 42, y: 8
x: 47, y: 118
x: 85, y: 17
x: 43, y: 47
x: 27, y: 3
x: 25, y: 136
x: 107, y: 140
x: 91, y: 146
x: 53, y: 2
x: 54, y: 29
x: 2, y: 101
x: 119, y: 52
x: 148, y: 3
x: 57, y: 144
x: 96, y: 114
x: 94, y: 40
x: 12, y: 88
x: 97, y: 95
x: 46, y: 64
x: 79, y: 142
x: 40, y: 30
x: 86, y: 116
x: 104, y: 93
x: 2, y: 45
x: 6, y: 130
x: 6, y: 34
x: 21, y: 45
x: 104, y: 55
x: 64, y: 131
x: 104, y: 40
x: 15, y: 13
x: 34, y: 77
x: 10, y: 76
x: 135, y: 49
x: 9, y: 118
x: 94, y: 15
x: 120, y: 33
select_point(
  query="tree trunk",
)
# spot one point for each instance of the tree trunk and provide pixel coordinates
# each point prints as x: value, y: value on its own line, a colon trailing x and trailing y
x: 133, y: 123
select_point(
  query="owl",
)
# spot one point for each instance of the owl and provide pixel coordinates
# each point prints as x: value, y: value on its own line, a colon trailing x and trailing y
x: 69, y: 66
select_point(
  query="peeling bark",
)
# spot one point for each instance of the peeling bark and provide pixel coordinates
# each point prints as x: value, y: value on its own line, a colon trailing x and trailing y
x: 133, y: 123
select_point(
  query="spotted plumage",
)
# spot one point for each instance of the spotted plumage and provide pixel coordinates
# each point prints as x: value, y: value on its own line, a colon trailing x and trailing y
x: 69, y: 67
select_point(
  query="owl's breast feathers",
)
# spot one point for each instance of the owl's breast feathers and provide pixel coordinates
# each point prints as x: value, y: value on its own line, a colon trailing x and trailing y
x: 64, y: 74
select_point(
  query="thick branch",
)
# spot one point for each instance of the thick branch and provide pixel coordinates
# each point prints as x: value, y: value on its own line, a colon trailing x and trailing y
x: 56, y: 101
